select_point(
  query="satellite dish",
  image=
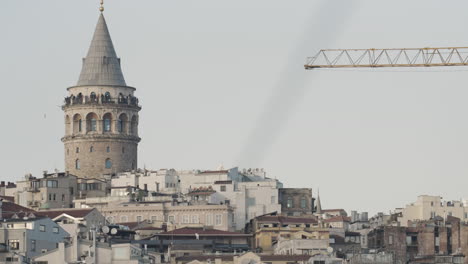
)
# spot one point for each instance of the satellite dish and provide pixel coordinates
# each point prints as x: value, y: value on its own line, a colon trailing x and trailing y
x: 105, y: 229
x: 113, y: 231
x: 330, y: 250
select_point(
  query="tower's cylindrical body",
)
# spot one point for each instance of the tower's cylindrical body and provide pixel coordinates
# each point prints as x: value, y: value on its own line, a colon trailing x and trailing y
x: 101, y: 114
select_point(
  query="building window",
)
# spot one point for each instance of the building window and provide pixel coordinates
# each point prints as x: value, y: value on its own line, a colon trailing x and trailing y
x: 123, y: 150
x: 91, y: 149
x: 218, y: 219
x: 108, y: 164
x: 433, y: 214
x: 185, y: 219
x: 63, y: 197
x: 93, y: 125
x: 154, y: 218
x: 139, y: 218
x: 50, y: 197
x: 124, y: 219
x: 79, y: 125
x: 107, y: 149
x: 54, y: 196
x: 450, y: 213
x: 195, y: 219
x: 77, y: 150
x: 223, y: 188
x: 390, y: 240
x: 52, y: 184
x: 273, y: 200
x: 77, y: 164
x: 107, y: 124
x: 13, y: 244
x: 209, y: 219
x: 33, y: 245
x: 68, y: 152
x: 171, y: 219
x: 42, y: 228
x: 303, y: 203
x: 289, y: 203
x: 55, y: 230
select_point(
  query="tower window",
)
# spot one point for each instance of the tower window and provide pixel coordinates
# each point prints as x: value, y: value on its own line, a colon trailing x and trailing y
x: 77, y: 164
x: 108, y: 164
x: 79, y: 125
x: 107, y: 97
x: 91, y: 149
x: 107, y: 125
x: 107, y: 122
x: 93, y: 97
x: 93, y: 125
x: 68, y: 151
x: 107, y: 149
x: 77, y: 150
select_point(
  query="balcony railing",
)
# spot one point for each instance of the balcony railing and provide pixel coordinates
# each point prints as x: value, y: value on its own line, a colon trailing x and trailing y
x: 123, y: 100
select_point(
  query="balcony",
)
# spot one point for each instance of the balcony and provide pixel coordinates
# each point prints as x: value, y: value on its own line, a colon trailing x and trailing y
x: 96, y: 100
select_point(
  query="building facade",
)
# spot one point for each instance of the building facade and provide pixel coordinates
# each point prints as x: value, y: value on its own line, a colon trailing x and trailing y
x: 101, y: 114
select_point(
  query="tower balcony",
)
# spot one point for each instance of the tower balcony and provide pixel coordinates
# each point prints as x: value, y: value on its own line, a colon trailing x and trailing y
x: 129, y: 101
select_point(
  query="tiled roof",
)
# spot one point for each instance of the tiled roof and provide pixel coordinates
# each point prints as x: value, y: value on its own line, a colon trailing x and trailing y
x: 214, y: 172
x: 9, y: 209
x: 223, y: 182
x: 8, y: 198
x: 339, y: 218
x: 77, y: 213
x: 287, y: 219
x: 148, y: 228
x: 186, y: 231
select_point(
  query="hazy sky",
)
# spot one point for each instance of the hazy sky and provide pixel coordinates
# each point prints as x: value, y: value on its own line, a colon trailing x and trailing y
x: 222, y: 82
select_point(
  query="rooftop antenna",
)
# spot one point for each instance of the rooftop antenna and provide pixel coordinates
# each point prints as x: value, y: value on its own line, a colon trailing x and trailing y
x: 101, y: 8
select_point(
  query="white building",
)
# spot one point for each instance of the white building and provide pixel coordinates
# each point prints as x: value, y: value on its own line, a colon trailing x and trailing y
x: 427, y: 207
x: 249, y: 192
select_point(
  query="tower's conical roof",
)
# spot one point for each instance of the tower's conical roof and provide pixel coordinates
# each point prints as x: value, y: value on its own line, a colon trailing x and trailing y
x: 101, y: 66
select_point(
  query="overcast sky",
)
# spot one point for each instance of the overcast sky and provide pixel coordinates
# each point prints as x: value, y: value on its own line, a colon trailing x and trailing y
x: 222, y: 82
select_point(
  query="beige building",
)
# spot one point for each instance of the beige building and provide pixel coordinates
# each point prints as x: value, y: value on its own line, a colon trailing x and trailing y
x: 101, y: 114
x: 177, y: 215
x: 427, y: 207
x: 56, y: 190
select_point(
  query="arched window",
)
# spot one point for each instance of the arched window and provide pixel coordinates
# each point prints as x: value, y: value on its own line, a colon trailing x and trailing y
x: 108, y: 164
x: 77, y: 124
x: 93, y: 97
x: 91, y: 122
x: 133, y: 125
x: 107, y: 122
x: 67, y: 125
x: 107, y: 97
x: 91, y: 149
x: 122, y: 123
x: 77, y: 164
x: 77, y: 150
x: 107, y: 149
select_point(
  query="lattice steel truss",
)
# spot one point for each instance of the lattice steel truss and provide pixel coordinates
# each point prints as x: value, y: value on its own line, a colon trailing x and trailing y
x: 365, y: 58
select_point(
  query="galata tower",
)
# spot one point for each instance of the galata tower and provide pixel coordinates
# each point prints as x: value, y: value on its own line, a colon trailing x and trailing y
x: 101, y: 114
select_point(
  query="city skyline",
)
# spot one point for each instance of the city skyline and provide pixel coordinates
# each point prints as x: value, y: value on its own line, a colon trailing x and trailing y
x: 204, y: 88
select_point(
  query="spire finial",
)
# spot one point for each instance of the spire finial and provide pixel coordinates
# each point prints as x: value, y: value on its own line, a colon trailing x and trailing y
x: 101, y: 8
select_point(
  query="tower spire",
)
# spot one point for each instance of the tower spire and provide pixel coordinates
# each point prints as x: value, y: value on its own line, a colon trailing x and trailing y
x: 319, y: 204
x: 101, y: 65
x: 101, y: 8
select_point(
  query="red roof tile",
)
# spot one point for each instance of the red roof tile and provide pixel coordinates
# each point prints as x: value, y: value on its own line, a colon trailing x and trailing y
x: 9, y: 209
x: 77, y: 213
x: 339, y: 218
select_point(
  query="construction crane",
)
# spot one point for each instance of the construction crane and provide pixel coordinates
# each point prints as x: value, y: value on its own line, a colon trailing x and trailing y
x: 373, y: 58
